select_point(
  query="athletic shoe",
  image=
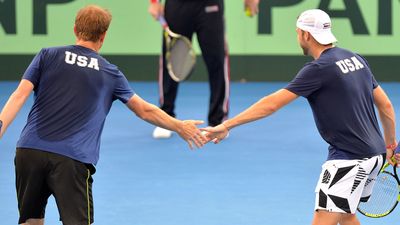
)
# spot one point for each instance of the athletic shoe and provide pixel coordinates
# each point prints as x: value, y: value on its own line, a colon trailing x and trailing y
x: 161, y: 133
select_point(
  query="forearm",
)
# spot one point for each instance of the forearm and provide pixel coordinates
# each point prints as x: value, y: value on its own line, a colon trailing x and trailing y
x: 258, y: 110
x: 263, y: 108
x: 11, y: 109
x: 152, y: 114
x: 158, y: 117
x: 388, y: 121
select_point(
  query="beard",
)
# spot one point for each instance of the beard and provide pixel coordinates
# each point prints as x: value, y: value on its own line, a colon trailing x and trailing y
x: 305, y: 50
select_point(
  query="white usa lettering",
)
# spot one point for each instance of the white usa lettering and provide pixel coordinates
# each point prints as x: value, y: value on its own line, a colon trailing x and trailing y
x: 349, y: 65
x: 82, y: 61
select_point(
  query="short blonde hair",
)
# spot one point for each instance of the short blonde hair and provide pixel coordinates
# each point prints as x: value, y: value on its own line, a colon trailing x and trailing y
x: 91, y: 22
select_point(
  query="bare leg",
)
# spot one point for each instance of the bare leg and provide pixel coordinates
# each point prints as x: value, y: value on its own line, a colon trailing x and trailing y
x: 326, y: 218
x: 332, y: 218
x: 34, y: 222
x: 349, y: 219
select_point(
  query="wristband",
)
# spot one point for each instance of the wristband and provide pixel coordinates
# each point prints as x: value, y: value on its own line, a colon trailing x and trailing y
x: 391, y: 147
x: 153, y: 1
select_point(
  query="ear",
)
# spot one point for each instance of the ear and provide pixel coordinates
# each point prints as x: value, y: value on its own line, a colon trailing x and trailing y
x: 76, y: 34
x: 307, y: 35
x: 102, y: 37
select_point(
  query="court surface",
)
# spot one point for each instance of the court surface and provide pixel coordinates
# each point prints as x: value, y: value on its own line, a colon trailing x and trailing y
x: 264, y: 173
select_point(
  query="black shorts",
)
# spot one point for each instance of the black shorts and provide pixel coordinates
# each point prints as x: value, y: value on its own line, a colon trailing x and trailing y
x: 40, y: 174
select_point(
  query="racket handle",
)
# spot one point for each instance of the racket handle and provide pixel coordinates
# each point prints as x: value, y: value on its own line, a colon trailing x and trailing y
x: 163, y: 22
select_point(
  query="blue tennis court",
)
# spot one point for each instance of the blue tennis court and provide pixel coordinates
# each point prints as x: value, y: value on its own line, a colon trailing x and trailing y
x: 264, y: 173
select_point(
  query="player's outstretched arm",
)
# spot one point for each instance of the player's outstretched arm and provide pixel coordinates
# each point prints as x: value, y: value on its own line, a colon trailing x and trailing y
x: 388, y: 121
x: 14, y: 104
x: 263, y: 108
x: 187, y: 129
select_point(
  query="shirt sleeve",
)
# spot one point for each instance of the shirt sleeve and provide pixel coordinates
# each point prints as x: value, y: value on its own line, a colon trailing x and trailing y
x: 307, y: 81
x: 122, y: 90
x: 374, y: 82
x: 33, y: 71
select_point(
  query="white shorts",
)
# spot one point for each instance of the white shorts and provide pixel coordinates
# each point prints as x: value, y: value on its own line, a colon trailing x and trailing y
x: 343, y: 183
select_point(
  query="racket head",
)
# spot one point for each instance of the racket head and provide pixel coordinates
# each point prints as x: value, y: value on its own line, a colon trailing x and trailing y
x: 180, y: 57
x: 385, y: 196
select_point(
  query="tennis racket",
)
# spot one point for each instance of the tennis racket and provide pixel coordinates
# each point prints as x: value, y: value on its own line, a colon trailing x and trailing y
x: 385, y: 195
x: 180, y: 56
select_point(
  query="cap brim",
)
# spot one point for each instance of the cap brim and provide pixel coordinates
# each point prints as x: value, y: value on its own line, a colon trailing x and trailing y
x: 324, y: 38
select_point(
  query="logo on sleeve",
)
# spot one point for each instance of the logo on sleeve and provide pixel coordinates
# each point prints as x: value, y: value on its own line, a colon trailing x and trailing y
x: 349, y: 65
x: 82, y: 61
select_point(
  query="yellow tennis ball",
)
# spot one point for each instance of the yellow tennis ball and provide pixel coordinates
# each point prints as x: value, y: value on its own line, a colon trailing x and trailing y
x: 248, y: 12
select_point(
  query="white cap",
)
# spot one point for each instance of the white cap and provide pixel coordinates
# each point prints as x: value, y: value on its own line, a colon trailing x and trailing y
x: 318, y: 23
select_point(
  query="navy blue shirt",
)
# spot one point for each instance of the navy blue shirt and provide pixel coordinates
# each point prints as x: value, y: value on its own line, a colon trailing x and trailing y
x: 339, y: 88
x: 74, y: 88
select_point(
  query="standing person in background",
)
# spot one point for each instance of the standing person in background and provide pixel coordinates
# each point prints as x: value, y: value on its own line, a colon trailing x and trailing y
x: 342, y: 93
x: 206, y: 19
x: 74, y: 89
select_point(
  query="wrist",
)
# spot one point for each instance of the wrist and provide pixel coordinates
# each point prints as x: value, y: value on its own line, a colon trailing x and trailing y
x: 391, y: 146
x: 225, y: 125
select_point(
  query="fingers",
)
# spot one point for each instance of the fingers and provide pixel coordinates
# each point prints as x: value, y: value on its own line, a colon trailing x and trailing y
x: 391, y: 162
x: 251, y: 7
x: 190, y: 144
x: 156, y: 10
x: 197, y: 122
x: 192, y: 134
x: 392, y: 156
x: 396, y: 158
x: 390, y: 159
x: 209, y: 136
x: 216, y: 134
x: 198, y: 143
x: 198, y: 137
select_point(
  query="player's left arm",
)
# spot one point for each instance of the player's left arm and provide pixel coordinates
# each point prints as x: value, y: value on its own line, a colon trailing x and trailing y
x: 263, y: 108
x: 387, y: 118
x: 15, y: 103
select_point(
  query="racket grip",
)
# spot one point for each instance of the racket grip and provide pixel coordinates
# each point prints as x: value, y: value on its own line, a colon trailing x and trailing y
x: 162, y: 21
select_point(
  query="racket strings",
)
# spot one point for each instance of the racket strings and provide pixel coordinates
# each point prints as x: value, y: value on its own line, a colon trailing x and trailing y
x: 181, y: 59
x: 383, y: 198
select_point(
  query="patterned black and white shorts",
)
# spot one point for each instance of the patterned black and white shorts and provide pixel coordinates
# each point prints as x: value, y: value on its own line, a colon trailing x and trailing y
x: 343, y: 183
